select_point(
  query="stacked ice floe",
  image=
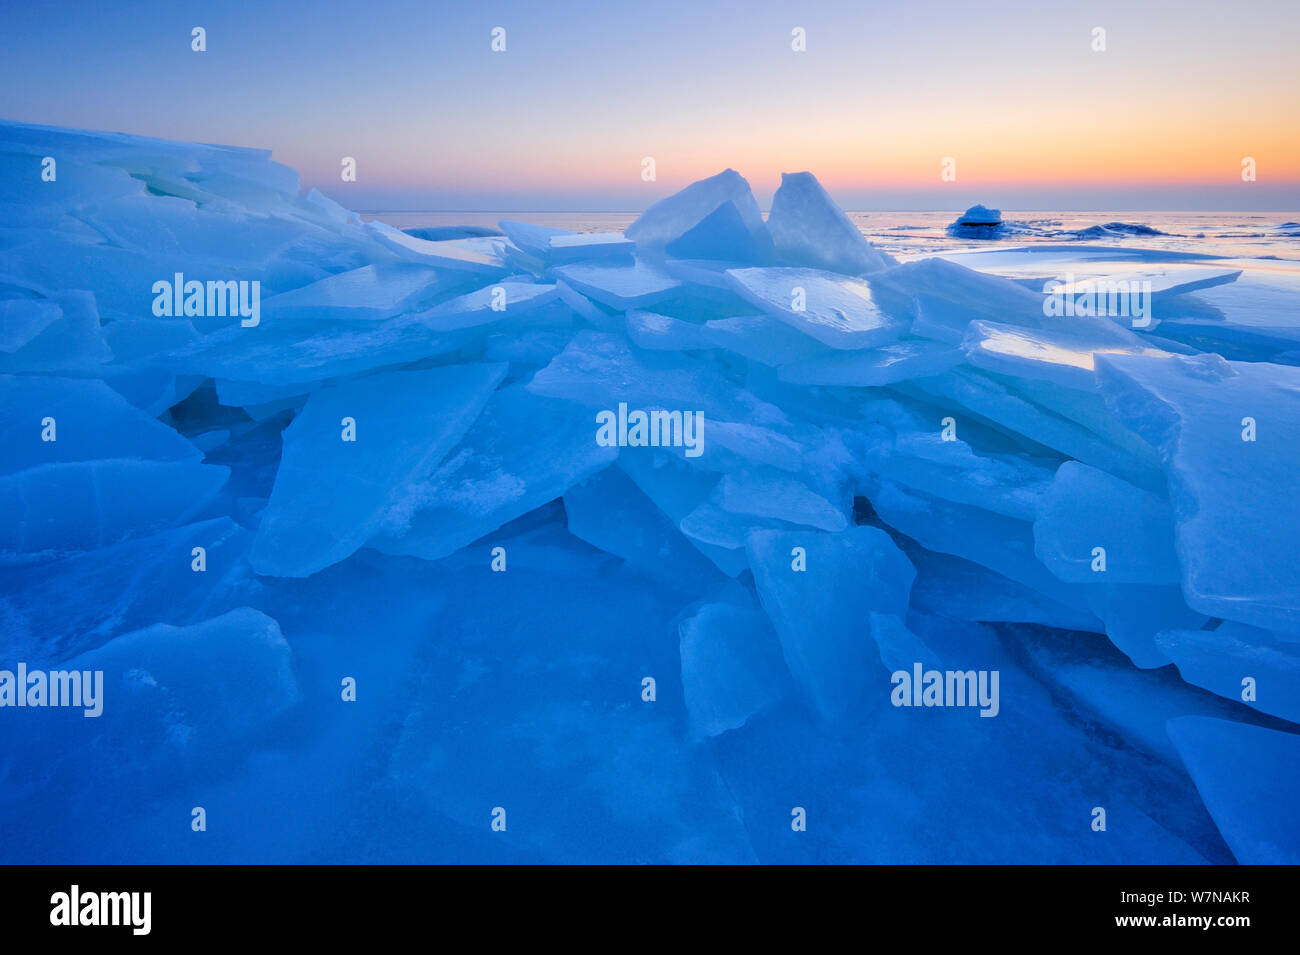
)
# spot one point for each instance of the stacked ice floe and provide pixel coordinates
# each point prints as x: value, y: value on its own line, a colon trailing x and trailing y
x: 625, y: 534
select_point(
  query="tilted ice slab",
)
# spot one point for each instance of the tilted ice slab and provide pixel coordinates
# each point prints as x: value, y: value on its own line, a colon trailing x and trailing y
x: 808, y: 228
x: 874, y: 367
x: 22, y: 319
x: 760, y: 338
x: 663, y: 332
x: 451, y: 254
x: 1248, y: 777
x: 186, y: 690
x: 822, y: 613
x: 673, y: 217
x: 1237, y: 524
x: 523, y: 451
x: 330, y: 495
x: 88, y: 421
x: 532, y: 239
x: 369, y: 293
x: 1086, y: 509
x: 731, y: 663
x: 837, y: 310
x: 1063, y: 356
x: 638, y: 285
x: 493, y: 303
x: 1162, y: 284
x: 84, y: 505
x: 589, y: 245
x: 1223, y: 660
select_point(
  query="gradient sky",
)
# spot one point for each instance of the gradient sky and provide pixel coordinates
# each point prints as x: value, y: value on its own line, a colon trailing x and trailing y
x: 562, y: 119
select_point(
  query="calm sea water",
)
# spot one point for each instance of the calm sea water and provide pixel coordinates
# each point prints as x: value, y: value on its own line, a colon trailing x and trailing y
x: 905, y: 234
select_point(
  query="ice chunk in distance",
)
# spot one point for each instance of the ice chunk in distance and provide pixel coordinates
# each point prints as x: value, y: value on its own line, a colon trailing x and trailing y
x: 808, y: 228
x: 837, y: 310
x: 524, y: 451
x: 1226, y: 432
x: 822, y: 612
x: 675, y: 216
x: 330, y: 494
x: 1248, y: 777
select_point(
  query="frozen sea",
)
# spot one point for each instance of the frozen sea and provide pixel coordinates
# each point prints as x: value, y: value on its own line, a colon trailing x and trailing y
x: 692, y: 536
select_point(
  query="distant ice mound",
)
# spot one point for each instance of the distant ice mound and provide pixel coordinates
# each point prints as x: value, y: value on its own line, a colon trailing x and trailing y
x: 521, y: 520
x: 1116, y: 230
x: 440, y: 233
x: 977, y: 222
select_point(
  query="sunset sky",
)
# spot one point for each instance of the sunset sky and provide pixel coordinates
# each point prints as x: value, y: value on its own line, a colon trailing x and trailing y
x: 563, y: 118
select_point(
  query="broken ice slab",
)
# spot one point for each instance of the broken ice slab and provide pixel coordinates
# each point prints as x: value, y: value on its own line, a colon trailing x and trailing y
x: 71, y: 344
x: 762, y: 339
x: 22, y: 319
x: 673, y: 217
x: 187, y: 690
x: 610, y: 512
x: 999, y: 403
x: 535, y: 240
x: 522, y: 452
x: 369, y: 293
x: 1135, y: 614
x: 837, y: 310
x: 1226, y: 431
x: 1160, y: 284
x: 354, y: 447
x: 1009, y: 484
x: 820, y: 591
x: 873, y: 367
x: 776, y: 495
x: 1239, y: 663
x: 56, y: 609
x: 731, y: 663
x: 1063, y: 356
x: 808, y: 228
x: 456, y: 255
x: 83, y: 505
x: 61, y: 420
x: 1248, y: 777
x: 1000, y: 543
x: 723, y: 233
x: 589, y: 245
x: 638, y: 285
x: 1086, y: 510
x: 493, y: 303
x: 953, y: 587
x: 663, y: 333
